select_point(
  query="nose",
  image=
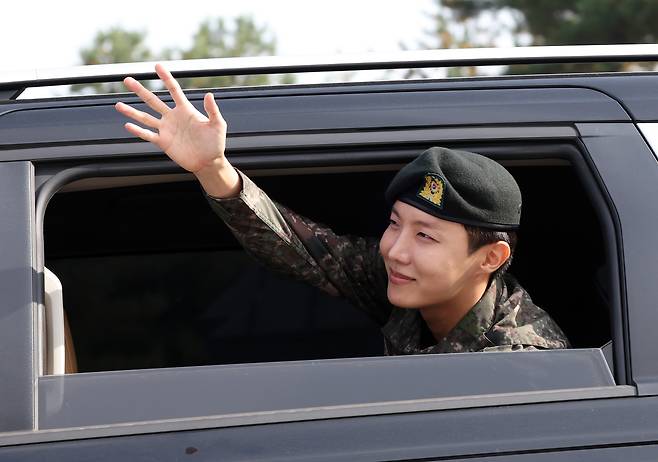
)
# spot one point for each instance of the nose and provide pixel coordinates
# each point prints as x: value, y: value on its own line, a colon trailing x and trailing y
x: 399, y: 250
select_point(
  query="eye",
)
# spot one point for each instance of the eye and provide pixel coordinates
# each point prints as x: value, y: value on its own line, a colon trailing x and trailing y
x: 426, y: 237
x: 392, y: 223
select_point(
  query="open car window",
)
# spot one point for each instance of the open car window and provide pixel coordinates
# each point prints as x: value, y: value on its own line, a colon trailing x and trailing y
x: 157, y: 289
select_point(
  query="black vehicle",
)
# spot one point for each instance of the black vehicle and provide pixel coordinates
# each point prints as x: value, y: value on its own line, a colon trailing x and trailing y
x: 105, y: 358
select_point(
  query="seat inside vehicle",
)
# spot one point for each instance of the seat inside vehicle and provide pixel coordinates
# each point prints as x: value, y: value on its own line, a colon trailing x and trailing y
x: 152, y: 278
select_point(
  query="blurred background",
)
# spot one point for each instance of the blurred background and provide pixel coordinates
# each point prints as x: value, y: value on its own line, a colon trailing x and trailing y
x: 45, y: 34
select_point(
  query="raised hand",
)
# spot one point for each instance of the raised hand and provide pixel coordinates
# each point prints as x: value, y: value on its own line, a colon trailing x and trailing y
x: 193, y: 140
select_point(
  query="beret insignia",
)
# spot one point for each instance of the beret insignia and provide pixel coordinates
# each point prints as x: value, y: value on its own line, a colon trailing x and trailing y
x: 432, y: 189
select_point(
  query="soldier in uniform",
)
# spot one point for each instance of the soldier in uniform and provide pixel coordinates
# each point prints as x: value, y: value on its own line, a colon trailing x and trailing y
x: 435, y: 282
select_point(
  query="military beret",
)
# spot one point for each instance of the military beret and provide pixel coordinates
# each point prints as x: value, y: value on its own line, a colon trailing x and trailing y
x: 459, y: 186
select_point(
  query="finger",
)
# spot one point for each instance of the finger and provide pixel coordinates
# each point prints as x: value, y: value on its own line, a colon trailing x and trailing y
x: 146, y: 95
x: 138, y: 116
x: 210, y: 105
x: 171, y: 84
x: 146, y: 135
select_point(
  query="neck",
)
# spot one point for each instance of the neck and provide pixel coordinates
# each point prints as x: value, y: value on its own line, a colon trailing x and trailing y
x: 443, y: 317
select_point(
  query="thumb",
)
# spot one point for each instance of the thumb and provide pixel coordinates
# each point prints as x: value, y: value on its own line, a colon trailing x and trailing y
x: 212, y: 109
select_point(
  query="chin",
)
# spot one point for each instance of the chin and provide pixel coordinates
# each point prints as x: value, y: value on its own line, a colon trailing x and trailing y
x: 400, y: 299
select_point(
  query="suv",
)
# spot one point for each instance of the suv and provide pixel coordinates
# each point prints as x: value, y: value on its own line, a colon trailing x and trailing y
x: 104, y: 357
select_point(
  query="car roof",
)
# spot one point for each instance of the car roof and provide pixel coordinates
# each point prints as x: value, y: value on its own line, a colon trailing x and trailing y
x: 567, y: 98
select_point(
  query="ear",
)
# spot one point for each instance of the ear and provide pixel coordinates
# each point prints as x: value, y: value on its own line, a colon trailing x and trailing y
x: 495, y: 256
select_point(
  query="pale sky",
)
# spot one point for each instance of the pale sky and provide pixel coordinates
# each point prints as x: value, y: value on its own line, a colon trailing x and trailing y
x: 47, y: 34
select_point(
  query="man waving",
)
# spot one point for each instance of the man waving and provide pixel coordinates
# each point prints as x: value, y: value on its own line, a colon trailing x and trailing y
x: 435, y: 282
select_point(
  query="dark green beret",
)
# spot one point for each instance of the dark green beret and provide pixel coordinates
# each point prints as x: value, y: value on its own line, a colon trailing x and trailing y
x: 459, y: 186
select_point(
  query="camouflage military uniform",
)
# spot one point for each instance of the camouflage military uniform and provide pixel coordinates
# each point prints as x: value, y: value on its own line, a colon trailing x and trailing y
x: 504, y: 319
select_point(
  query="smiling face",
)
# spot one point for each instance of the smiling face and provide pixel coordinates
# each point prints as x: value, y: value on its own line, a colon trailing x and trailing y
x: 427, y: 259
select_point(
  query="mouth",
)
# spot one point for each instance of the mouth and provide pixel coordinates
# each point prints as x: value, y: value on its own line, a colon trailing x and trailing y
x: 398, y: 278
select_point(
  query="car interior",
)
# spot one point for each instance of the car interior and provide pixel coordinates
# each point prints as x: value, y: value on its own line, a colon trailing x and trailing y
x: 152, y: 278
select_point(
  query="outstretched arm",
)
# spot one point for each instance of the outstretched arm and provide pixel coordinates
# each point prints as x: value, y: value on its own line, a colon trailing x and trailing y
x: 279, y: 238
x: 195, y: 141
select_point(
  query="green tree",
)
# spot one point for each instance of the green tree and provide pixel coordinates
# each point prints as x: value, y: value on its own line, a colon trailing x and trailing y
x: 568, y: 22
x: 114, y: 45
x: 217, y: 39
x: 214, y: 39
x: 573, y: 22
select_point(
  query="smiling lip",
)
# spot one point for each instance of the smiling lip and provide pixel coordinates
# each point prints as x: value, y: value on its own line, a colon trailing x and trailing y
x: 398, y: 278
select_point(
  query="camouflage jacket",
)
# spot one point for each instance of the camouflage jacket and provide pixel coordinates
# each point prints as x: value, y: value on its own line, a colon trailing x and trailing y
x: 504, y: 319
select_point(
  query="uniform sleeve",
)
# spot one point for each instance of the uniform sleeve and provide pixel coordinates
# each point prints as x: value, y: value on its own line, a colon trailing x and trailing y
x: 288, y: 243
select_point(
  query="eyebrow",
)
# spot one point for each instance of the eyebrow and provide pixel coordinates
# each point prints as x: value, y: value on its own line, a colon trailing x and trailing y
x: 420, y: 222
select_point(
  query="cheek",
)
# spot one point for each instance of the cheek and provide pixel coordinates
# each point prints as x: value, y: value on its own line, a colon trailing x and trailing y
x: 438, y: 267
x: 432, y: 265
x: 385, y: 243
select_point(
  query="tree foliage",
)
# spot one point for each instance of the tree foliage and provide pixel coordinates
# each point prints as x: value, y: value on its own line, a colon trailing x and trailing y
x: 114, y: 45
x: 214, y: 39
x: 217, y: 38
x: 549, y: 22
x: 573, y: 22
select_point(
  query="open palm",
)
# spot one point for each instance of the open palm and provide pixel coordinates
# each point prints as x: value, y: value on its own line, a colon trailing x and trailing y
x: 187, y: 136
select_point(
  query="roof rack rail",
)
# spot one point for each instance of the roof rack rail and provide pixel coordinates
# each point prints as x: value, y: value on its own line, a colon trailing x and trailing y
x: 16, y: 81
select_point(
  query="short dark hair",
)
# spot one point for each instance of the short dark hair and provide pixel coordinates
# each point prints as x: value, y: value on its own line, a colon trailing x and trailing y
x: 479, y: 237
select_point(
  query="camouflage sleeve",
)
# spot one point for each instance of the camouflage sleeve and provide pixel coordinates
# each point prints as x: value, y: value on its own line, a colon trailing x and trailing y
x: 288, y: 243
